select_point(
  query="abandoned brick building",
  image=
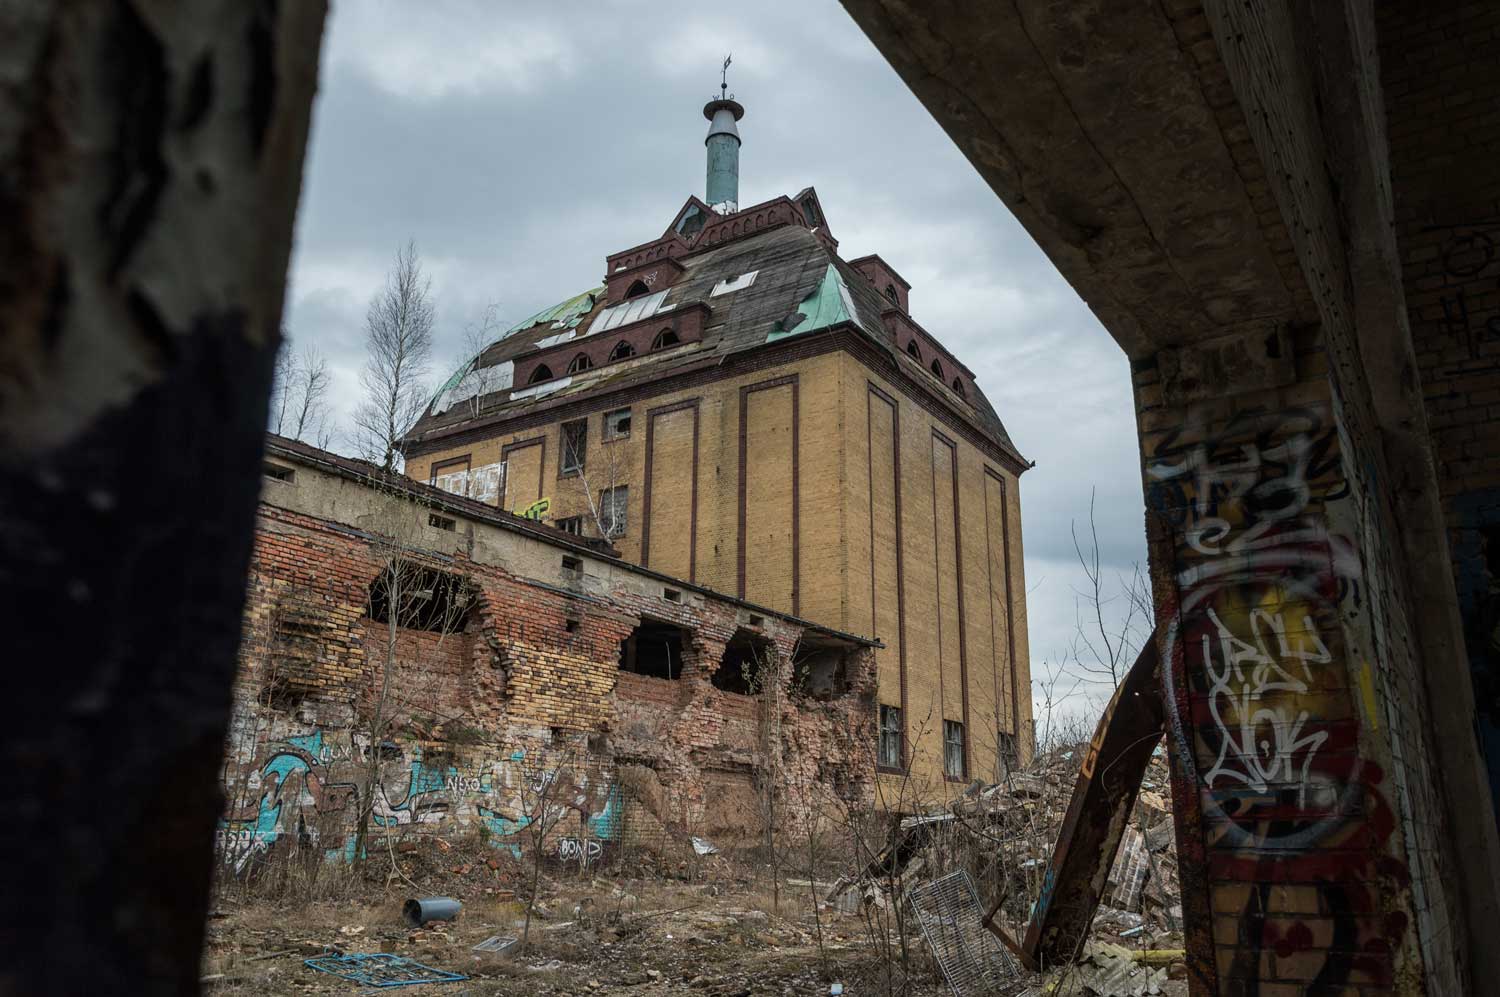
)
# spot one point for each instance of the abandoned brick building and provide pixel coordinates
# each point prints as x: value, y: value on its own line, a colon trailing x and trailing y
x: 738, y: 406
x: 525, y: 651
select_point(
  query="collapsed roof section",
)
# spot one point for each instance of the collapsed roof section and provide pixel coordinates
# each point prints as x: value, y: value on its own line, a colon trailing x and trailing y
x: 710, y: 287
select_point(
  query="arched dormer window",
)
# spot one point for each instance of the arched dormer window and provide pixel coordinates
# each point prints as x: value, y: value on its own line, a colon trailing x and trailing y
x: 958, y: 388
x: 937, y: 368
x: 914, y: 351
x: 579, y: 364
x: 623, y: 350
x: 664, y: 339
x: 541, y: 373
x: 637, y: 289
x: 890, y: 292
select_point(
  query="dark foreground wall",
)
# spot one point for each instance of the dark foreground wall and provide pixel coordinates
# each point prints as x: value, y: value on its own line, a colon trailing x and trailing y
x: 150, y: 162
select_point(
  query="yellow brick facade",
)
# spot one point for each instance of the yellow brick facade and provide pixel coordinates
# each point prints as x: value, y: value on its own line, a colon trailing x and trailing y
x: 807, y: 524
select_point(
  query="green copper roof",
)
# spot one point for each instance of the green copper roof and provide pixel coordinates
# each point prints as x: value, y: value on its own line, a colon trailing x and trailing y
x: 566, y: 313
x: 828, y: 304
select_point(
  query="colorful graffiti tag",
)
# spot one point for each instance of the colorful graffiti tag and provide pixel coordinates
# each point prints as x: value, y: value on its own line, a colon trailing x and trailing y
x: 1262, y: 716
x: 305, y: 788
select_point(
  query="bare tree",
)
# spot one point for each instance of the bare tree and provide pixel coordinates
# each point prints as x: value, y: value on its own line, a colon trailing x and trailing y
x: 1104, y: 648
x: 300, y: 401
x: 398, y: 344
x: 480, y: 380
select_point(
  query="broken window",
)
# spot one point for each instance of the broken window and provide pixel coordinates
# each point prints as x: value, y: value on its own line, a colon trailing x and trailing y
x: 654, y: 649
x: 955, y: 758
x: 822, y: 671
x: 441, y: 522
x: 691, y: 223
x: 890, y: 292
x: 540, y: 374
x: 664, y: 339
x: 637, y: 289
x: 276, y: 472
x: 572, y: 524
x: 745, y: 656
x: 580, y: 363
x: 937, y: 369
x: 613, y: 508
x: 914, y: 351
x: 420, y: 598
x: 622, y: 351
x: 575, y: 438
x: 889, y: 755
x: 617, y: 424
x: 958, y: 387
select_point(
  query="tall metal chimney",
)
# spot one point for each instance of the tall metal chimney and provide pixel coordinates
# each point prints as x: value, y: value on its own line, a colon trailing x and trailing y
x: 723, y: 144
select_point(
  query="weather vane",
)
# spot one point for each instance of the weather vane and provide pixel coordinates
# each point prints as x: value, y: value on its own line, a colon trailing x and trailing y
x: 724, y: 76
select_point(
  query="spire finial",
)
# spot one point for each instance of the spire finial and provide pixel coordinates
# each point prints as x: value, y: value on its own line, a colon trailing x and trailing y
x: 724, y: 77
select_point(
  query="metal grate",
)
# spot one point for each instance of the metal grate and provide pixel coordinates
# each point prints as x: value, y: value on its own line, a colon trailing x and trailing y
x: 380, y: 970
x: 972, y: 959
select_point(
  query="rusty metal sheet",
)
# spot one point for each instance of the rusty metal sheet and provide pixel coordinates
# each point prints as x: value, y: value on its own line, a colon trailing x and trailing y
x: 1098, y: 813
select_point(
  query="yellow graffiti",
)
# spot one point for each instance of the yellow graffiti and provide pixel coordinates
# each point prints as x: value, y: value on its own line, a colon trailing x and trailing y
x: 537, y: 509
x: 1367, y: 695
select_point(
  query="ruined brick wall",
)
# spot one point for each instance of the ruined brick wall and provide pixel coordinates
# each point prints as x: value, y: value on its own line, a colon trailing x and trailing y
x: 528, y: 690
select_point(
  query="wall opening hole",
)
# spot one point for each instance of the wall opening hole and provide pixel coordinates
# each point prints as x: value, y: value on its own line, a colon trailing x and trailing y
x: 654, y: 649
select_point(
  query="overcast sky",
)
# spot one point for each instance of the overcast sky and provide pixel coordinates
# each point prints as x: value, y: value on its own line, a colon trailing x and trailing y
x: 518, y: 143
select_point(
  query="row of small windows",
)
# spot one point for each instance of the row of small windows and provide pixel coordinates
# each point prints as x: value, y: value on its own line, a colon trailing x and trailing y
x: 622, y: 351
x: 915, y: 352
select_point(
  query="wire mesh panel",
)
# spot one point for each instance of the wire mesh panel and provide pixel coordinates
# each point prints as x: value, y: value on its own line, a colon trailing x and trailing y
x: 376, y: 969
x: 972, y: 959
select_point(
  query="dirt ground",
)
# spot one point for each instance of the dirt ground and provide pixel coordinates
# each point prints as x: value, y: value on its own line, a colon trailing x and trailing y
x: 727, y: 936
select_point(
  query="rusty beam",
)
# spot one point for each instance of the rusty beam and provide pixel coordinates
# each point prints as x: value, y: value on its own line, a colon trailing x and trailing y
x: 1103, y: 797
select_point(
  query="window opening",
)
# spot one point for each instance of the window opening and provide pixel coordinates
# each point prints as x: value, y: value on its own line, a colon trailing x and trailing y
x: 637, y: 289
x: 822, y: 671
x: 1009, y: 757
x: 937, y: 368
x: 890, y: 292
x: 810, y: 212
x: 890, y: 752
x: 541, y: 373
x: 572, y: 626
x: 441, y: 522
x: 664, y: 339
x: 572, y: 524
x: 420, y: 598
x: 914, y: 351
x: 622, y: 351
x: 613, y: 507
x: 745, y: 657
x: 278, y: 473
x: 654, y: 649
x: 958, y: 388
x: 579, y: 364
x: 575, y: 438
x: 671, y: 595
x: 617, y: 424
x: 955, y: 762
x: 572, y: 564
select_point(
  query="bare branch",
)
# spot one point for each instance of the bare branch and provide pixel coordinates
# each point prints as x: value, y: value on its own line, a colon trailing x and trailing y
x: 398, y: 343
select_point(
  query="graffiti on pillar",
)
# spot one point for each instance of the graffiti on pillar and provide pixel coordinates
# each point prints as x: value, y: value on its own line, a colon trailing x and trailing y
x: 1258, y: 684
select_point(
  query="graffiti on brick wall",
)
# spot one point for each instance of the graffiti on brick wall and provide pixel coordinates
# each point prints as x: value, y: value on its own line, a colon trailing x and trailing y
x: 1259, y: 690
x: 1470, y: 260
x: 306, y: 789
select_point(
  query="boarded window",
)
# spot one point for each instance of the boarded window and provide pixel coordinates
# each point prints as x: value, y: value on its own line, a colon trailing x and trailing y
x: 614, y: 504
x: 575, y: 439
x: 890, y: 755
x: 617, y: 424
x: 955, y: 759
x: 654, y: 649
